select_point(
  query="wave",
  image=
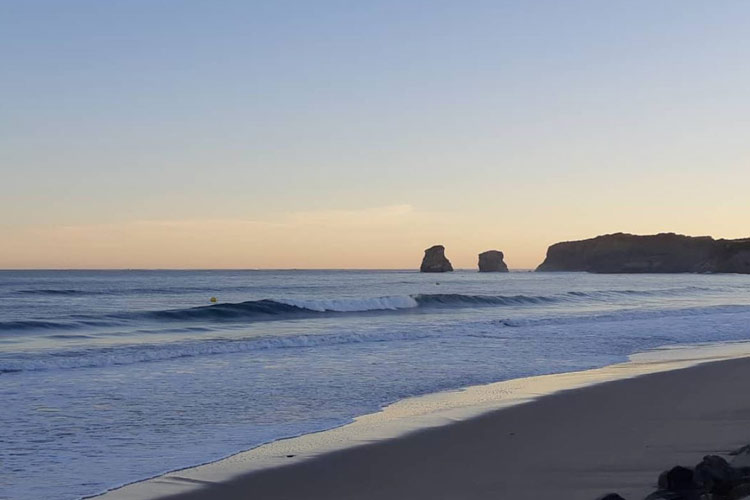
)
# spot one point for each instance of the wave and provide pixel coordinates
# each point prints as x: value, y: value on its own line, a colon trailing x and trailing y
x: 35, y: 325
x: 599, y: 294
x: 93, y: 357
x: 132, y: 354
x: 459, y: 300
x: 389, y: 303
x: 269, y: 309
x: 632, y: 314
x: 275, y: 309
x: 126, y: 291
x: 55, y: 292
x: 227, y: 312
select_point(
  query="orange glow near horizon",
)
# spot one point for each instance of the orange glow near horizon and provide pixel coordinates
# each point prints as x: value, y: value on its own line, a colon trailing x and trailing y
x: 391, y: 237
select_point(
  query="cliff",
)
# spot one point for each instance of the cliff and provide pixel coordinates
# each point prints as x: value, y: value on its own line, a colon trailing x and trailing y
x: 659, y: 253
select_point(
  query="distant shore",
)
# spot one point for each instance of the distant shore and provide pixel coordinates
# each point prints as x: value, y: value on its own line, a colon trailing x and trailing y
x: 575, y: 444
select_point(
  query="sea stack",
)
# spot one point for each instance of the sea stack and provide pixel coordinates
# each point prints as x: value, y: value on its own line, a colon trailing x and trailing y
x: 491, y: 261
x: 435, y: 261
x: 657, y: 253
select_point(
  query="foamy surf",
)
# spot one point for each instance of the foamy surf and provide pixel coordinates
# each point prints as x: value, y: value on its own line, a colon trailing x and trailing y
x: 418, y: 413
x: 355, y: 304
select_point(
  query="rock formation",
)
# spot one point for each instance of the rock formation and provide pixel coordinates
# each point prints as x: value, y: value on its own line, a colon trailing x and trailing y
x: 491, y: 261
x: 435, y: 261
x: 712, y: 479
x: 659, y: 253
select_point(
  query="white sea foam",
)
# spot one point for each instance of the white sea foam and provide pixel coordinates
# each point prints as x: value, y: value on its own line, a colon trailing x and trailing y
x: 391, y: 303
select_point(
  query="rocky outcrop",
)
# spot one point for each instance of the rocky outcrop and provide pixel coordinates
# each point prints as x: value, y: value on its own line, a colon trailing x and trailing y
x: 491, y: 261
x: 711, y: 479
x: 435, y: 261
x: 659, y: 253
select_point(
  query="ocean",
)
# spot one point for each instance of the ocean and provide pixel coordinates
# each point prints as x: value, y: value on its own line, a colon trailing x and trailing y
x: 110, y: 377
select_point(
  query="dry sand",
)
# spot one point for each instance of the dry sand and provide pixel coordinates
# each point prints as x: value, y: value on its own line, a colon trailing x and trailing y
x: 575, y: 444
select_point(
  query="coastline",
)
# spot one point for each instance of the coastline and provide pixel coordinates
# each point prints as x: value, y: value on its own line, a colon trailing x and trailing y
x: 427, y: 420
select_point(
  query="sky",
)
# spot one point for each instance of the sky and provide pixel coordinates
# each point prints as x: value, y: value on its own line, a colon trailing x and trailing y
x: 344, y: 134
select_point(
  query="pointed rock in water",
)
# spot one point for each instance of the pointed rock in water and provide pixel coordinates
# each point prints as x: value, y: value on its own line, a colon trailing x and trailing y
x: 491, y: 261
x: 435, y: 261
x: 610, y: 496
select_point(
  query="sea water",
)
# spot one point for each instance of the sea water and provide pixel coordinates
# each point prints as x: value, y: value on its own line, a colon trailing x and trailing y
x: 109, y: 377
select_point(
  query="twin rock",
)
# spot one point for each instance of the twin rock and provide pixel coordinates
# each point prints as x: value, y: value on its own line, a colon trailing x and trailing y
x: 435, y: 261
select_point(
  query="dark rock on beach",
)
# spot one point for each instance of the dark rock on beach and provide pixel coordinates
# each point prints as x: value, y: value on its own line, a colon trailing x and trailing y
x: 677, y: 479
x: 491, y: 261
x: 659, y: 253
x: 435, y: 261
x: 712, y: 479
x: 714, y: 474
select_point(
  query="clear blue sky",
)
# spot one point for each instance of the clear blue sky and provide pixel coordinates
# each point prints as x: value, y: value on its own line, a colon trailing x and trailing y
x: 478, y: 124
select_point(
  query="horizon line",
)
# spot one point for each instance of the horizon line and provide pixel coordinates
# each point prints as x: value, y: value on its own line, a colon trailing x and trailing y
x: 64, y: 269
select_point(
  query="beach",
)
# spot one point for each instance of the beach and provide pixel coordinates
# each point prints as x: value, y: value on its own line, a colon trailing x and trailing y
x: 572, y: 435
x: 578, y: 444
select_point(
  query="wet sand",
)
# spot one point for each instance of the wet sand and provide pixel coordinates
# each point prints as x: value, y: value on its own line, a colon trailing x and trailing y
x: 575, y: 444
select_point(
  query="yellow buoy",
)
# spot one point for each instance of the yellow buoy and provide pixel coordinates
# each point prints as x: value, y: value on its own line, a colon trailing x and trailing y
x: 213, y: 300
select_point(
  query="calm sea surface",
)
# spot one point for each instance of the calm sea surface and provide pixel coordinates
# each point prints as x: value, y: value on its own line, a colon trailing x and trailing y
x: 108, y: 377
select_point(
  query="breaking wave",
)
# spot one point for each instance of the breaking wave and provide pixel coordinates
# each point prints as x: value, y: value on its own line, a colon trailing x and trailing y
x: 94, y: 357
x: 271, y: 309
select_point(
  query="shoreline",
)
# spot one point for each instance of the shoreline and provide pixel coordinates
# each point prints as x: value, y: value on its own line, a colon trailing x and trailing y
x: 407, y: 419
